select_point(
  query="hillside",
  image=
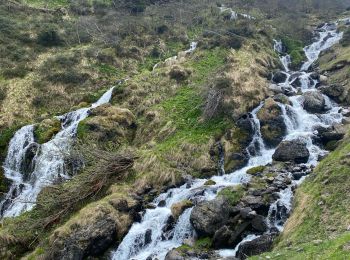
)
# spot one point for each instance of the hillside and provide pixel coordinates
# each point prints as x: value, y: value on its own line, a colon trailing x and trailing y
x: 164, y: 129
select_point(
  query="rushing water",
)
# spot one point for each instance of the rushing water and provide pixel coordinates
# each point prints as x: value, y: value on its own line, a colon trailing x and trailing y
x: 31, y: 166
x: 149, y: 240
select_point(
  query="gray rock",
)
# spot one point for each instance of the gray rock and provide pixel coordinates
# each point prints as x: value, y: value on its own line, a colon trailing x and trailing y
x: 208, y: 216
x: 334, y: 91
x: 314, y: 102
x: 292, y: 151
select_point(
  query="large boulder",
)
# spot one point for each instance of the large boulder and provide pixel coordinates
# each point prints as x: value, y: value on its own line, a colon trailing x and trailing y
x: 273, y: 128
x: 208, y: 216
x: 292, y: 151
x: 314, y: 102
x: 256, y: 246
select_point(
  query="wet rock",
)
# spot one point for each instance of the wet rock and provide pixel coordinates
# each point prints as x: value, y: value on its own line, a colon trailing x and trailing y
x: 162, y: 203
x: 314, y: 102
x: 226, y: 238
x: 245, y: 122
x: 273, y: 128
x: 315, y: 76
x: 256, y: 203
x: 279, y: 77
x: 28, y: 164
x: 292, y: 151
x: 257, y: 246
x: 259, y: 223
x: 209, y: 216
x: 335, y: 92
x: 148, y: 237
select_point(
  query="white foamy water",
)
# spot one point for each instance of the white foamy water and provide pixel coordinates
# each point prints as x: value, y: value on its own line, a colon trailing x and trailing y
x: 48, y: 162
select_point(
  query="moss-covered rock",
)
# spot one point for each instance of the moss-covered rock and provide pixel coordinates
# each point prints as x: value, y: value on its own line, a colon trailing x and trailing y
x: 46, y: 129
x: 108, y: 124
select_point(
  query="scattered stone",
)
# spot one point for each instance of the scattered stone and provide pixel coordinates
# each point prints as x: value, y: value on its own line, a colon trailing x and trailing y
x: 209, y: 183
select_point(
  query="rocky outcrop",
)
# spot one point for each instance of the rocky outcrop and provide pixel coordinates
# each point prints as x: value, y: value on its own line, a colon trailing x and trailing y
x: 273, y: 128
x: 91, y: 232
x: 327, y: 136
x: 292, y: 151
x: 314, y: 102
x: 335, y: 92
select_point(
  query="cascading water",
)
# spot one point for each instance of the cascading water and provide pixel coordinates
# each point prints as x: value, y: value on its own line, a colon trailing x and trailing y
x: 151, y: 239
x: 31, y: 166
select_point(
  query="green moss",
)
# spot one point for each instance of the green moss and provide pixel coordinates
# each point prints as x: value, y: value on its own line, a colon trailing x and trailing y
x: 203, y: 243
x: 82, y: 129
x: 233, y: 194
x: 295, y: 50
x: 209, y: 183
x: 44, y: 132
x: 255, y: 170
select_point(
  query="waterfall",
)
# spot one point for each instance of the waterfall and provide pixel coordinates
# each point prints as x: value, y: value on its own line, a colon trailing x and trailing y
x: 327, y: 37
x: 46, y: 161
x: 300, y: 125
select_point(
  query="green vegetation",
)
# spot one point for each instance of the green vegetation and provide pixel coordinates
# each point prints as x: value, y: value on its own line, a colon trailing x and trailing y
x: 46, y: 130
x: 256, y: 170
x: 295, y: 50
x: 233, y: 194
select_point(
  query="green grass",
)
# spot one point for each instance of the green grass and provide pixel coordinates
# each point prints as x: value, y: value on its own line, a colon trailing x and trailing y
x: 48, y: 3
x: 337, y: 249
x: 184, y: 110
